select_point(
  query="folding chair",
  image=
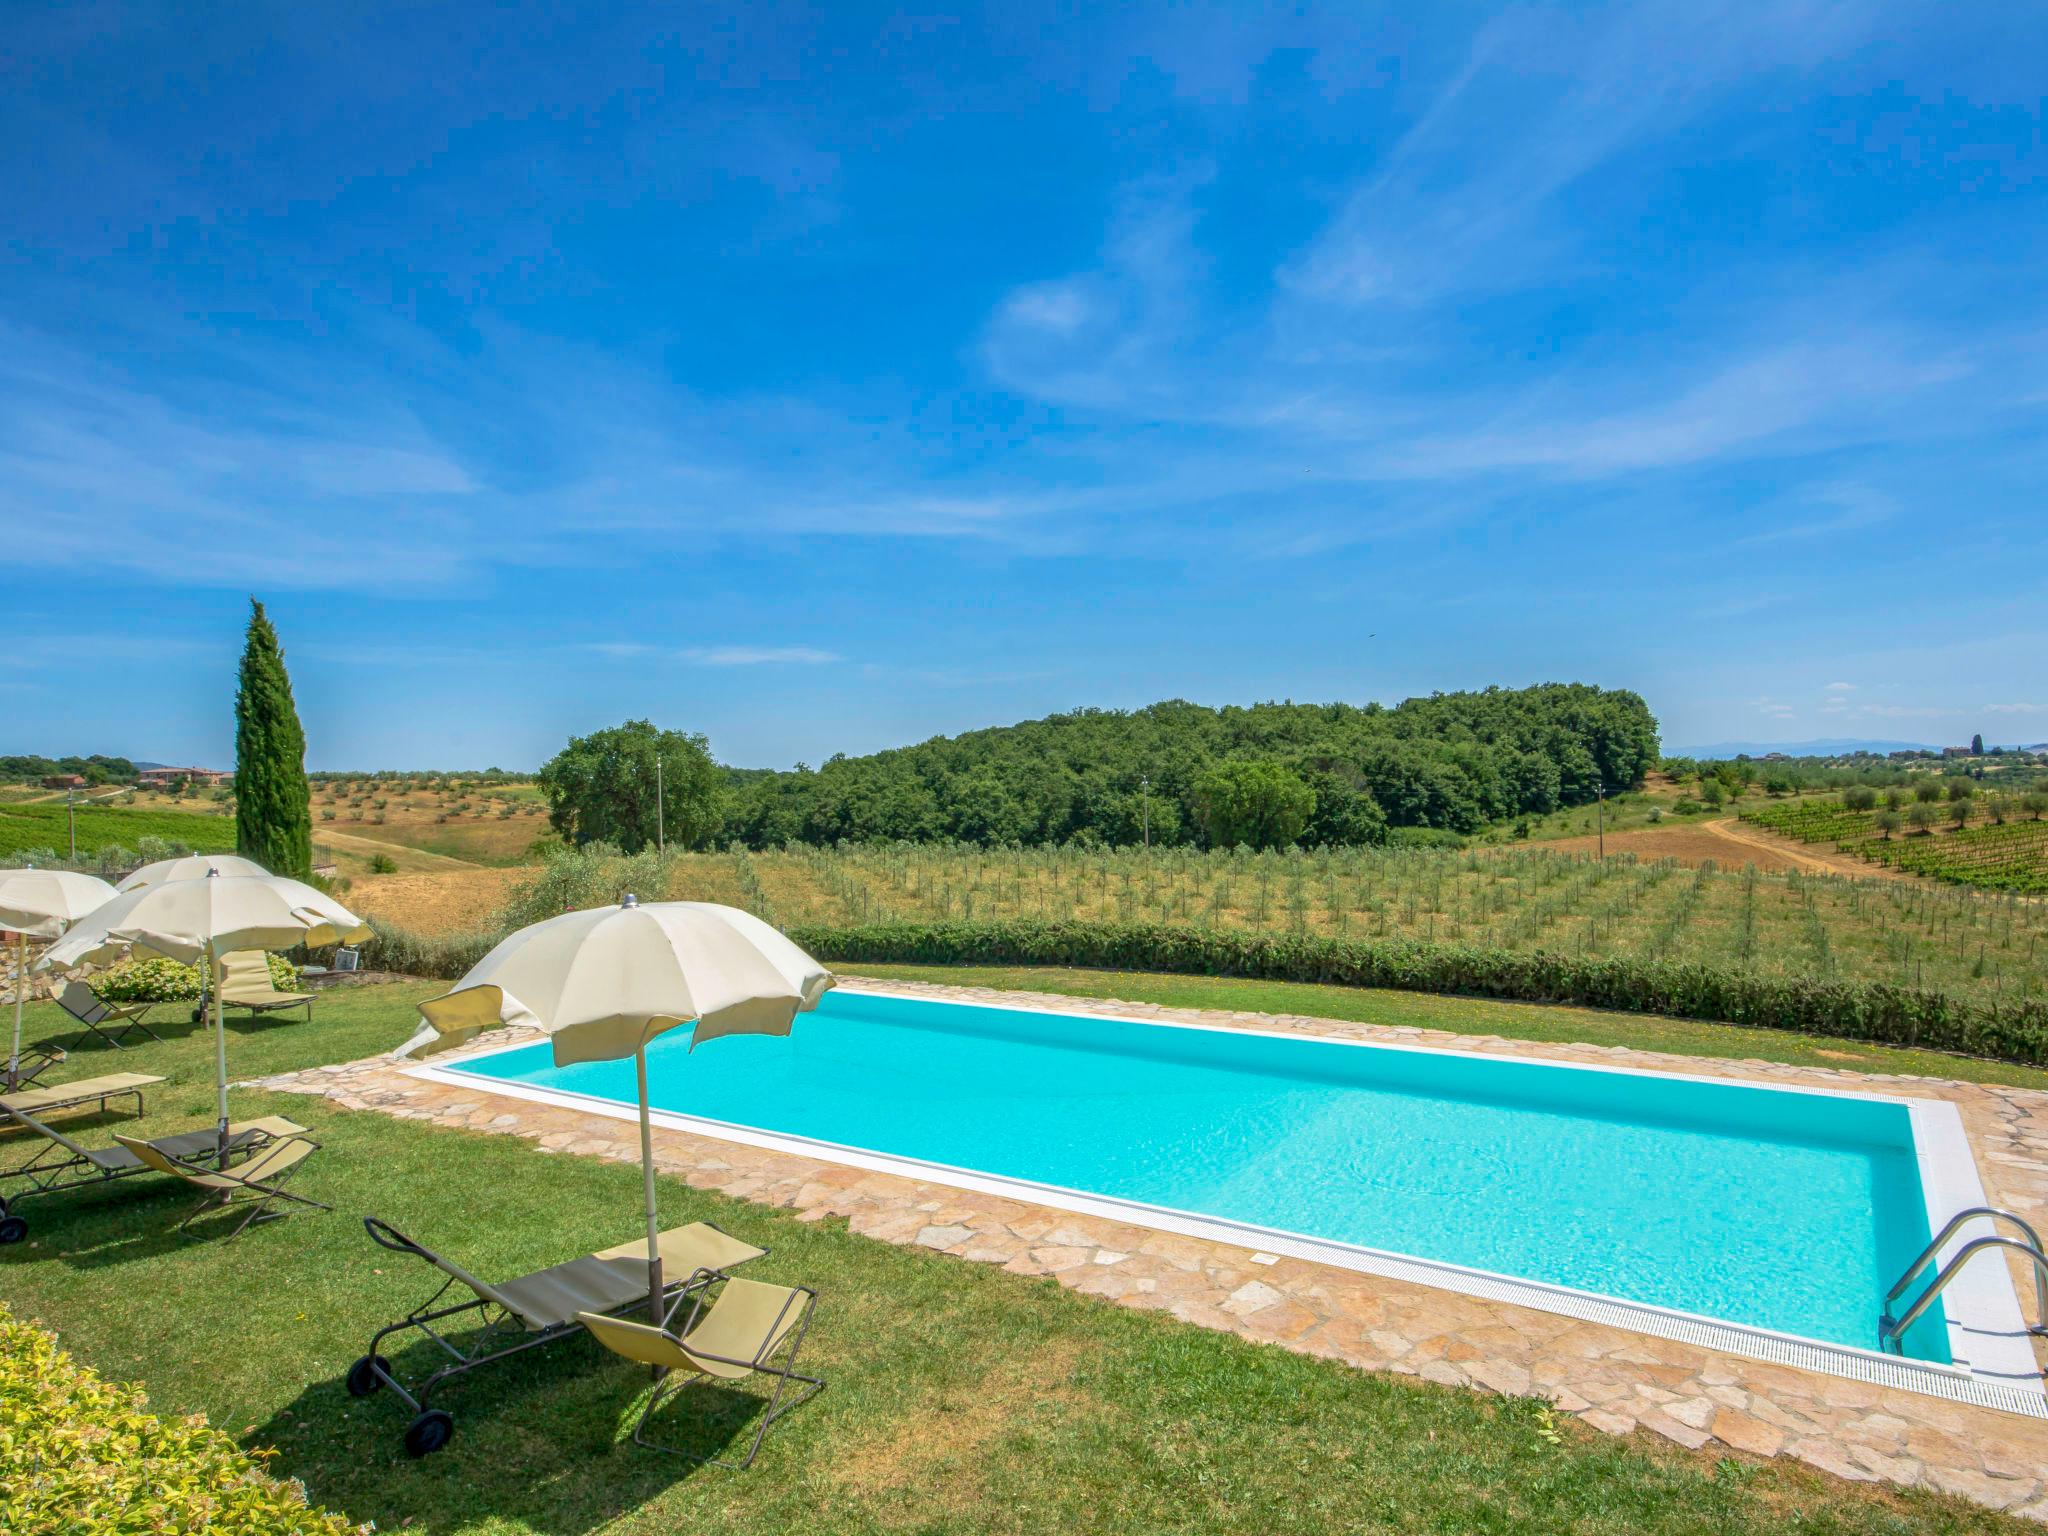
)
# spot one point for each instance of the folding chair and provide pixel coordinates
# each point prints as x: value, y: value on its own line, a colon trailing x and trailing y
x: 119, y: 1019
x: 61, y: 1164
x: 740, y: 1336
x: 523, y: 1313
x: 259, y: 1181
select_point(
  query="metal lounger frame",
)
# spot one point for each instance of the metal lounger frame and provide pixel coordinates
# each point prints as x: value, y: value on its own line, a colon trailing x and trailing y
x: 126, y: 1018
x: 61, y: 1164
x: 784, y: 1374
x: 34, y: 1062
x: 267, y: 1193
x: 495, y: 1315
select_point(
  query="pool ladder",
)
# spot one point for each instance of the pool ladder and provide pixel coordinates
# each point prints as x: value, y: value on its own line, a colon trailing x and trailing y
x: 1892, y: 1330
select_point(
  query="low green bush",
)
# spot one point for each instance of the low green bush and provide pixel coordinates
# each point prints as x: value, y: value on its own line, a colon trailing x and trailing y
x: 80, y: 1453
x: 417, y: 954
x: 2006, y: 1031
x: 159, y: 979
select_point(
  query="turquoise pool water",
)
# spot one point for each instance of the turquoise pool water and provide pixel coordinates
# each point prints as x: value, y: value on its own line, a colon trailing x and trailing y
x: 1787, y: 1211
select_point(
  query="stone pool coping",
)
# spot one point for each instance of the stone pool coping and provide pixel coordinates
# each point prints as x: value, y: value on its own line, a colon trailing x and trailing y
x: 1615, y: 1379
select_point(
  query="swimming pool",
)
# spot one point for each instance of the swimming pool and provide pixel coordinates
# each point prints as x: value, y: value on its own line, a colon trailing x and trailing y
x: 1787, y: 1212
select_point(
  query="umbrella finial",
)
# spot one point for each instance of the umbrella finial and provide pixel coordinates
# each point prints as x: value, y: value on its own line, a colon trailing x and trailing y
x: 212, y: 873
x: 629, y: 900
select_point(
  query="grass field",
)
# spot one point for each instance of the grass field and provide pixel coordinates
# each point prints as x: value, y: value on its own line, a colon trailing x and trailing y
x: 492, y: 824
x: 962, y: 1399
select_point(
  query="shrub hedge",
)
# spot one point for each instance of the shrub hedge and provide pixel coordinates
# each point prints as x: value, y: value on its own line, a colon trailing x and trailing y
x: 80, y: 1453
x: 160, y: 979
x: 2010, y: 1031
x: 1873, y: 1011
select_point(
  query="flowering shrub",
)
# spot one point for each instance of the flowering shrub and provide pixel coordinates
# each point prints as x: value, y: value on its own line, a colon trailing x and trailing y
x: 149, y: 979
x: 79, y: 1453
x: 159, y: 979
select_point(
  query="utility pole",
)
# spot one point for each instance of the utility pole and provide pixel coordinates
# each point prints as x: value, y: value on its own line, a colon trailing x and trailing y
x: 71, y: 818
x: 1600, y: 789
x: 1145, y: 803
x: 660, y: 836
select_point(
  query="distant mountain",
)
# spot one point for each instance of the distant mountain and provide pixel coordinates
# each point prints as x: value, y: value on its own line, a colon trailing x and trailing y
x: 1829, y: 746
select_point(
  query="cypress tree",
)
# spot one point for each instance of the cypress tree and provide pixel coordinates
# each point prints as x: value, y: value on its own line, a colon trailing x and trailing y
x: 273, y: 804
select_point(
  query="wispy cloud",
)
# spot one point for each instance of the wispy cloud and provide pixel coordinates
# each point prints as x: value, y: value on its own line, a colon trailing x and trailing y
x: 758, y: 655
x: 2016, y: 709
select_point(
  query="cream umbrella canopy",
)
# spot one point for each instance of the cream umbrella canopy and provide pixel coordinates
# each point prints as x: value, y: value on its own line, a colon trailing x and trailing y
x: 191, y: 866
x: 41, y: 902
x: 215, y: 916
x: 603, y: 983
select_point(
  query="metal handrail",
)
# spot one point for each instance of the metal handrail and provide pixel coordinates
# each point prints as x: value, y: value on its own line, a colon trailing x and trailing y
x: 1913, y: 1271
x: 1892, y: 1331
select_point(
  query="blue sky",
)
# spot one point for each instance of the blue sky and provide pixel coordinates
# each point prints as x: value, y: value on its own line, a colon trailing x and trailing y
x: 826, y: 379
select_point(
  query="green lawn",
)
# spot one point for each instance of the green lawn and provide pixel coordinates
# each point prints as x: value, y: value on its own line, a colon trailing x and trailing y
x: 962, y: 1399
x: 1474, y: 1016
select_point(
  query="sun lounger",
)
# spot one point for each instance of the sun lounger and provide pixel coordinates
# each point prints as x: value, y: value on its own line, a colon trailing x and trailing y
x: 86, y: 1090
x: 750, y: 1329
x: 60, y: 1163
x: 257, y: 1182
x: 532, y: 1310
x: 112, y: 1022
x: 245, y: 983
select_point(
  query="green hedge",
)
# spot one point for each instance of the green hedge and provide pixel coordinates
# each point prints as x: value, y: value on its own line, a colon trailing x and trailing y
x: 79, y: 1453
x: 160, y: 979
x: 2012, y: 1031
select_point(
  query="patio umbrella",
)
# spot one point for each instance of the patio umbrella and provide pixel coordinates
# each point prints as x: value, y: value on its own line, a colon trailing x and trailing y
x: 604, y: 982
x: 215, y: 916
x: 191, y: 866
x: 41, y: 901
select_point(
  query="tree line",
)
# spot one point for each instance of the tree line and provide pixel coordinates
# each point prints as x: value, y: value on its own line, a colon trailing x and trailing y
x: 1175, y: 773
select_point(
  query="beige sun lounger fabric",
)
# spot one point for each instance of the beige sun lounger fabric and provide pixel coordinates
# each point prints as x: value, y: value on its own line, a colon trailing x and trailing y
x: 245, y: 983
x: 746, y: 1325
x: 35, y: 1101
x: 258, y: 1181
x: 744, y: 1331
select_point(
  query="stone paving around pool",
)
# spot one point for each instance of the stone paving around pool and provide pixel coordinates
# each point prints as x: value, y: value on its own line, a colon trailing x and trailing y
x: 1615, y: 1380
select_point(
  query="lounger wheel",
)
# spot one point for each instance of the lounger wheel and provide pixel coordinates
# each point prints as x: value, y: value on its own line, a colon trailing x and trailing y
x: 12, y: 1229
x: 363, y: 1378
x: 429, y: 1432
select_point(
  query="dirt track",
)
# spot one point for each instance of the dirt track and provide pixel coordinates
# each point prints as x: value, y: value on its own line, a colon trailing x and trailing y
x: 1727, y: 842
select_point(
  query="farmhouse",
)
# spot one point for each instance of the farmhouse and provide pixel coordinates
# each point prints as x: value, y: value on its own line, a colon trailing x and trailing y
x: 163, y: 778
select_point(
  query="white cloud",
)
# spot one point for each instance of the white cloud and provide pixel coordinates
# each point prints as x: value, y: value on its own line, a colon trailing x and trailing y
x: 2016, y: 709
x: 757, y: 655
x: 1841, y: 688
x: 1907, y: 711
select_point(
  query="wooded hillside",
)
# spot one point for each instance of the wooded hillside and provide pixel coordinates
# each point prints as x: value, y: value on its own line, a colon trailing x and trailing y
x: 1453, y: 761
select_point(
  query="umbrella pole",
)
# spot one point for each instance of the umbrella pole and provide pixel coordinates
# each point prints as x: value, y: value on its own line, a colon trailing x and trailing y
x: 20, y: 994
x: 220, y: 1050
x: 654, y: 1286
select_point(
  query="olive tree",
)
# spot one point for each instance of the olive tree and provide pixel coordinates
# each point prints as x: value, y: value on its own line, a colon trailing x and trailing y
x: 601, y: 788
